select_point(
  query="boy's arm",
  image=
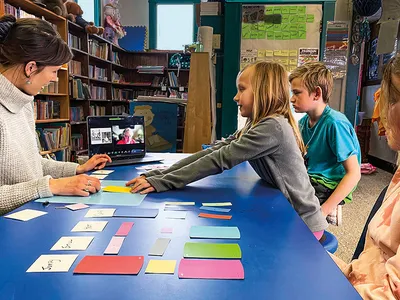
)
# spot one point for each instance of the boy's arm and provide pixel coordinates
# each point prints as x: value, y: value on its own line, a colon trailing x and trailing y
x: 345, y: 186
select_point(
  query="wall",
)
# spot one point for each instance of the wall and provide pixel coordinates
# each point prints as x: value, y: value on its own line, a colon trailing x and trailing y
x: 134, y: 12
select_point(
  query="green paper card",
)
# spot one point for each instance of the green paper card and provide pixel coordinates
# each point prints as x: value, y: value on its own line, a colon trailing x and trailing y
x: 285, y: 35
x: 310, y: 19
x: 254, y: 27
x: 294, y: 35
x: 262, y: 26
x: 301, y: 18
x: 208, y: 250
x: 302, y: 27
x: 292, y: 10
x: 293, y: 27
x: 269, y: 27
x: 270, y: 35
x: 277, y: 10
x: 246, y: 31
x: 293, y: 18
x: 261, y: 35
x: 285, y: 9
x: 269, y: 10
x: 302, y: 35
x: 301, y: 9
x: 278, y: 35
x: 277, y: 27
x: 285, y: 19
x: 285, y: 27
x: 254, y: 35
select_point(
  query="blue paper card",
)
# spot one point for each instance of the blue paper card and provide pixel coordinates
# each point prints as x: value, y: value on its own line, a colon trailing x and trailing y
x: 133, y: 212
x: 214, y: 232
x: 215, y: 209
x: 101, y: 198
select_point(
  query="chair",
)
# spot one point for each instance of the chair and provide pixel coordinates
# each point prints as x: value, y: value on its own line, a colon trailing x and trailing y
x: 330, y: 243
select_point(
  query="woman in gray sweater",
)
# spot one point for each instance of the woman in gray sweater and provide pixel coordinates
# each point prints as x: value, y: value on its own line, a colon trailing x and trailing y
x: 31, y: 53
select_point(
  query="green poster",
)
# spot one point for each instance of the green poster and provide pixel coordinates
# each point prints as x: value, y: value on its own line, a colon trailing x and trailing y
x: 301, y: 9
x: 301, y: 18
x: 278, y: 35
x: 293, y: 10
x: 285, y: 9
x: 310, y: 19
x: 302, y: 35
x: 293, y: 18
x: 269, y: 10
x: 285, y: 35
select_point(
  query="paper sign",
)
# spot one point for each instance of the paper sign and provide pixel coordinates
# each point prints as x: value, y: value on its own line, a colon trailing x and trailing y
x: 209, y: 250
x: 124, y: 229
x: 214, y: 232
x: 26, y: 214
x: 136, y: 212
x: 117, y: 189
x: 100, y: 213
x: 114, y: 245
x: 127, y: 265
x: 159, y: 247
x: 179, y: 203
x: 161, y: 266
x: 73, y: 243
x: 76, y: 206
x: 218, y: 203
x: 215, y: 216
x: 210, y: 269
x: 166, y: 230
x: 53, y: 263
x: 175, y: 215
x: 92, y: 226
x: 310, y: 19
x: 217, y: 209
x: 102, y: 172
x: 98, y: 176
x: 308, y: 55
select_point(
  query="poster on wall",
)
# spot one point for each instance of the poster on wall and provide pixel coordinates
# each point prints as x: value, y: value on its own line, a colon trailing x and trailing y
x: 308, y: 55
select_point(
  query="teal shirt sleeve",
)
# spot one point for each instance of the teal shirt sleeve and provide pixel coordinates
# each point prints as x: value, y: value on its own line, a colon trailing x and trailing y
x: 343, y: 141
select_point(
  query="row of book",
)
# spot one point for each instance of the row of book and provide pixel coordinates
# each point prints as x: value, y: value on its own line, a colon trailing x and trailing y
x: 77, y: 114
x: 150, y: 69
x: 77, y: 142
x: 52, y: 87
x: 79, y: 90
x: 97, y: 73
x: 97, y: 49
x: 98, y: 92
x: 74, y: 41
x: 75, y: 67
x: 121, y: 94
x: 119, y: 109
x: 173, y: 80
x: 16, y: 12
x: 97, y: 110
x: 46, y: 109
x: 53, y: 137
x: 115, y: 57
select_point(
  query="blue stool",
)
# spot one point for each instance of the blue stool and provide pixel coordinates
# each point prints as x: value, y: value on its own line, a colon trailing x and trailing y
x: 331, y: 243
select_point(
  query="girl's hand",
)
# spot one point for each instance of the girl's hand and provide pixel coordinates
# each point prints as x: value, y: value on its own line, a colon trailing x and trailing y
x: 80, y: 185
x: 97, y: 162
x: 140, y: 184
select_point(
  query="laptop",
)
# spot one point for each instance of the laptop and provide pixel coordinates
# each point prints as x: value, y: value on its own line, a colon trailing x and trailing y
x: 121, y: 137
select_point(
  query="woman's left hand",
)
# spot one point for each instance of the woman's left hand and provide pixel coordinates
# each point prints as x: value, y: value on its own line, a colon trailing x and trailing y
x: 140, y: 184
x: 97, y: 162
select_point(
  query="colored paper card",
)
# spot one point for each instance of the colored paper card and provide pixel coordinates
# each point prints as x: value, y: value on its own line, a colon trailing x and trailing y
x: 283, y: 61
x: 269, y: 10
x: 277, y: 52
x: 270, y: 35
x: 293, y: 53
x: 175, y: 215
x: 285, y: 53
x: 159, y: 247
x: 260, y: 53
x: 102, y: 172
x: 124, y: 229
x: 123, y: 265
x: 25, y: 215
x: 114, y: 245
x: 293, y: 27
x: 285, y: 19
x: 301, y: 19
x: 285, y: 9
x: 73, y: 243
x: 117, y: 189
x: 215, y: 216
x: 76, y: 206
x: 269, y: 53
x: 261, y: 35
x: 277, y: 27
x: 301, y: 9
x: 293, y: 18
x: 292, y: 9
x: 293, y: 61
x: 100, y: 213
x: 217, y: 204
x: 211, y: 250
x: 262, y: 26
x: 285, y: 27
x: 246, y: 32
x: 92, y: 226
x: 302, y: 27
x: 53, y: 263
x: 214, y: 232
x: 294, y: 35
x: 175, y: 208
x: 210, y: 269
x: 166, y: 230
x: 277, y: 10
x: 278, y: 35
x: 302, y: 35
x: 310, y: 18
x: 217, y: 209
x: 254, y: 35
x: 179, y: 203
x: 156, y: 266
x: 98, y: 176
x: 136, y: 212
x: 269, y: 27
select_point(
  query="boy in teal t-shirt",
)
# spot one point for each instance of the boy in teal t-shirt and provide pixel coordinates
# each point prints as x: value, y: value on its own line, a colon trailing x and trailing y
x: 333, y: 152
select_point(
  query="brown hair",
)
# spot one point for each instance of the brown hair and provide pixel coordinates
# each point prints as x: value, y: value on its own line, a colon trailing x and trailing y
x: 313, y: 75
x: 25, y: 40
x: 271, y: 96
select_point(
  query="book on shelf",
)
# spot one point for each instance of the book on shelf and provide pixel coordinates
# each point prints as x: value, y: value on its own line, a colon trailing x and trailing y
x: 52, y: 87
x: 75, y: 67
x: 150, y: 69
x: 99, y: 50
x: 77, y: 142
x: 117, y: 78
x: 121, y: 94
x: 74, y: 41
x: 79, y: 90
x: 115, y: 57
x: 119, y: 109
x: 98, y: 92
x: 173, y: 80
x: 16, y: 12
x: 97, y: 110
x: 97, y: 73
x: 53, y: 137
x: 77, y: 114
x: 46, y: 109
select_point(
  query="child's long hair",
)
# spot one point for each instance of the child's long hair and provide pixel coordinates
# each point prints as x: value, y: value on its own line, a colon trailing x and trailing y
x: 270, y: 84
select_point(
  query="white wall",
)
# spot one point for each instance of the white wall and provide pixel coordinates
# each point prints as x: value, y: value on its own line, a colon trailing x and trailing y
x: 134, y: 12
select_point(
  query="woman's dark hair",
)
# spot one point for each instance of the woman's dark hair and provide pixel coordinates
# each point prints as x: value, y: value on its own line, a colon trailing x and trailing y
x: 25, y: 40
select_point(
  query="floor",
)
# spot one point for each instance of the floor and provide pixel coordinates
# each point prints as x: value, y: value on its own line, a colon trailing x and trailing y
x: 356, y: 213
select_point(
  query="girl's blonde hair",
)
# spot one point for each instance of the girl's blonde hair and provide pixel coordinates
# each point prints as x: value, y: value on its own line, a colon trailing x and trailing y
x: 270, y: 85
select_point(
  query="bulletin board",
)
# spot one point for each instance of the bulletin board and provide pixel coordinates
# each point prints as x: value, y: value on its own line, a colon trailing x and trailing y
x: 293, y: 42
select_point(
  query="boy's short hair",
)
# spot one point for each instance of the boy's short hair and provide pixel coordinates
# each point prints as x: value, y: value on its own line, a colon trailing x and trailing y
x: 313, y: 75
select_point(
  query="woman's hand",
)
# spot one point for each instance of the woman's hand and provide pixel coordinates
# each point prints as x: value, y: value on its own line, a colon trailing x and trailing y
x: 97, y: 162
x: 140, y: 184
x: 80, y: 185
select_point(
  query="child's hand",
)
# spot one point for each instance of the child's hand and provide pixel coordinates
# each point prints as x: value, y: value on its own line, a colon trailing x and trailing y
x: 140, y: 184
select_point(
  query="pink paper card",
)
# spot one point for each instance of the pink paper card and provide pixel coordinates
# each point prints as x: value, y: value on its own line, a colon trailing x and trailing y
x: 211, y: 269
x: 114, y: 245
x: 166, y: 230
x: 76, y: 206
x: 124, y: 229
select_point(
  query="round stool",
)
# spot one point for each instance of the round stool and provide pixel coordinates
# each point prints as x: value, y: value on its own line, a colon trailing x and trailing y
x: 331, y: 243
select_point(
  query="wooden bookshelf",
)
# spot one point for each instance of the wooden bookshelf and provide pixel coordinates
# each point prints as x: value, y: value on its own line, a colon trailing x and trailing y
x: 52, y: 151
x: 51, y: 121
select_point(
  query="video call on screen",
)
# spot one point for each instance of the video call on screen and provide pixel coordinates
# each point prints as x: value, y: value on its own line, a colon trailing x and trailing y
x: 116, y: 135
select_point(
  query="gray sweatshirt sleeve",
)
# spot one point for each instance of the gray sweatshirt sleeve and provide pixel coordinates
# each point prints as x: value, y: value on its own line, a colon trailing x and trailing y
x: 190, y: 159
x: 13, y: 196
x: 259, y: 141
x: 58, y: 169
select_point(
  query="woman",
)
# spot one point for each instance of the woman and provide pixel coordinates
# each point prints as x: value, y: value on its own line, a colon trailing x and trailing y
x: 376, y: 273
x: 31, y: 53
x: 126, y: 138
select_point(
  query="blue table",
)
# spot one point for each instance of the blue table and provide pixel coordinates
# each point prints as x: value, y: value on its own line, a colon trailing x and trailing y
x: 281, y: 257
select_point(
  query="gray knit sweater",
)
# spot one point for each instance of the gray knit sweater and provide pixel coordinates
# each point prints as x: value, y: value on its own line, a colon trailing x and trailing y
x: 272, y: 151
x: 24, y: 174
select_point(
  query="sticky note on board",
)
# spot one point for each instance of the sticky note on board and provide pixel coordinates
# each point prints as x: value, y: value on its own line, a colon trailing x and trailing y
x: 302, y: 35
x: 127, y: 265
x: 214, y: 232
x: 117, y: 189
x: 156, y: 266
x: 260, y: 53
x: 269, y: 27
x: 246, y: 33
x: 285, y: 19
x: 283, y: 61
x: 285, y: 9
x: 293, y: 53
x: 294, y: 35
x: 277, y: 52
x: 302, y: 27
x: 310, y: 18
x: 262, y: 26
x: 211, y: 250
x: 277, y: 27
x: 285, y: 27
x: 270, y: 35
x: 278, y: 35
x: 277, y: 10
x: 293, y: 27
x: 293, y: 61
x: 269, y: 10
x: 292, y: 10
x: 285, y: 35
x: 301, y: 9
x: 301, y: 18
x: 269, y: 52
x: 293, y: 18
x: 210, y: 269
x: 254, y: 35
x: 261, y: 35
x: 284, y: 52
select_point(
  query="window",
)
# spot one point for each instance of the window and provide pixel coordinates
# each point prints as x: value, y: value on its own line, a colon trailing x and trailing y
x: 91, y: 10
x: 174, y: 26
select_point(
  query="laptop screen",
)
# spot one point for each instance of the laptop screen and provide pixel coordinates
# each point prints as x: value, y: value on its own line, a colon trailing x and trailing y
x: 117, y: 136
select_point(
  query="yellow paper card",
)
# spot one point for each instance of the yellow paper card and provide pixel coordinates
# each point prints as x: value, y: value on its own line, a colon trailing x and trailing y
x: 161, y: 266
x: 179, y: 203
x: 284, y: 52
x: 269, y: 52
x: 284, y: 61
x: 293, y: 53
x: 117, y: 189
x: 293, y: 61
x: 277, y: 52
x: 218, y: 204
x: 261, y: 53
